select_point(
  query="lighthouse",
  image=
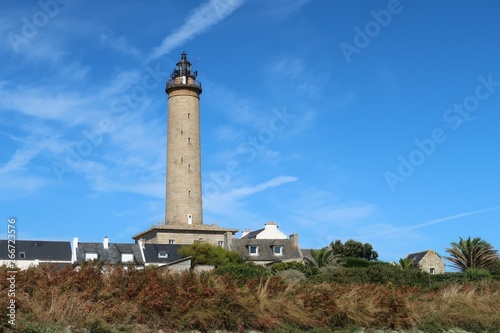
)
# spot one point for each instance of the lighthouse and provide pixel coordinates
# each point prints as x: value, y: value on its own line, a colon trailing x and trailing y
x: 183, y: 209
x: 183, y: 192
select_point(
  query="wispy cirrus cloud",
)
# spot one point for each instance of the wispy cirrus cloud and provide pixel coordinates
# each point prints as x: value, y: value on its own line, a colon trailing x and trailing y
x: 121, y: 45
x: 231, y: 204
x: 246, y: 191
x: 203, y: 17
x: 397, y: 231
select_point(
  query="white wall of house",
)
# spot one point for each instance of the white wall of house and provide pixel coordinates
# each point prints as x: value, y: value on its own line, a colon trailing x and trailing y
x: 25, y: 264
x: 271, y: 232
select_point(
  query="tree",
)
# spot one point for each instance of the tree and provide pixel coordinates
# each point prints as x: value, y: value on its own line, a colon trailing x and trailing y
x: 475, y: 253
x: 406, y: 263
x: 353, y: 249
x: 323, y: 257
x: 207, y: 254
x: 495, y: 268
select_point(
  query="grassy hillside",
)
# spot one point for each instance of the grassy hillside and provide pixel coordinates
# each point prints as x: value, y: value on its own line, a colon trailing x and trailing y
x: 99, y: 299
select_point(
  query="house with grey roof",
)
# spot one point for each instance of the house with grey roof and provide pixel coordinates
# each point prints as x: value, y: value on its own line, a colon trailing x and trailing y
x: 31, y: 253
x: 111, y: 253
x: 139, y: 254
x: 267, y: 246
x: 428, y: 261
x: 165, y: 256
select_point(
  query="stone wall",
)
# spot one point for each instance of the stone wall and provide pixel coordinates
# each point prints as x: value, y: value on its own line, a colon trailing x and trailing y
x: 186, y: 238
x: 183, y: 190
x: 432, y: 261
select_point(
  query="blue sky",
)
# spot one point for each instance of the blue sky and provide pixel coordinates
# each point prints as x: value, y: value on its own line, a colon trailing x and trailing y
x: 371, y: 120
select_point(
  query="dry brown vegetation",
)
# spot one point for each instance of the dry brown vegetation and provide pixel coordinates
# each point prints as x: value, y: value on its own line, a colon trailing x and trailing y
x: 132, y: 300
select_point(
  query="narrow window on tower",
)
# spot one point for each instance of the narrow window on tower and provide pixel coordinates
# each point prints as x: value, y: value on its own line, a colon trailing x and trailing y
x: 182, y: 159
x: 189, y: 193
x: 189, y: 167
x: 182, y: 132
x: 189, y: 114
x: 189, y: 140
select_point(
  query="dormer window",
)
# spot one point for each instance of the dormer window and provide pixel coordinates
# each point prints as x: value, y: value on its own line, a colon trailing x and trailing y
x: 278, y: 250
x: 22, y: 255
x: 91, y: 255
x: 253, y: 250
x: 127, y: 257
x: 162, y: 254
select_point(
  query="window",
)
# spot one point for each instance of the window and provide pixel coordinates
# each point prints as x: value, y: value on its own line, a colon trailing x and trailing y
x: 189, y: 140
x: 189, y: 167
x: 91, y: 255
x: 189, y: 114
x: 278, y: 250
x: 220, y: 243
x: 171, y: 241
x: 163, y: 254
x: 22, y: 255
x: 253, y: 250
x: 127, y: 257
x: 432, y: 270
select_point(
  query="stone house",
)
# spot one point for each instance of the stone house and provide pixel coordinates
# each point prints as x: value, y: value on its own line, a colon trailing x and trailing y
x: 267, y: 246
x: 186, y: 234
x: 428, y: 261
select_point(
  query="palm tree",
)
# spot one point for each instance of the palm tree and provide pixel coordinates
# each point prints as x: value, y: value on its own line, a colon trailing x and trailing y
x: 323, y: 257
x: 475, y: 253
x: 406, y: 263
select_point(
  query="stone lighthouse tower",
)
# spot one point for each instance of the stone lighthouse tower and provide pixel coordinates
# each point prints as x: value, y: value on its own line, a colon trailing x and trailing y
x: 183, y: 216
x: 184, y: 205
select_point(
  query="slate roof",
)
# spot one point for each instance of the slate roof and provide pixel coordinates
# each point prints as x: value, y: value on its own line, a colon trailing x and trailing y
x: 253, y: 234
x: 112, y: 255
x: 416, y: 257
x: 266, y: 252
x: 41, y: 250
x: 307, y: 254
x: 151, y: 253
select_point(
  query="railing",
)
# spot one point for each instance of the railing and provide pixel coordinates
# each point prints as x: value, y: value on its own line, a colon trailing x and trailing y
x: 193, y: 83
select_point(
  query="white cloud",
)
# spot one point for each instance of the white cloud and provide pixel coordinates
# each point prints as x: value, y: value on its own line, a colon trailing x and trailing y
x: 121, y: 45
x: 44, y: 103
x: 203, y: 17
x: 246, y: 191
x: 231, y: 204
x: 399, y: 231
x: 283, y: 9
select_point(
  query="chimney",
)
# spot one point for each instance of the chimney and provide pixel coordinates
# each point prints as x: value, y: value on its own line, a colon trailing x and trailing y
x: 294, y: 239
x: 74, y: 248
x: 141, y: 248
x: 140, y: 241
x: 270, y: 225
x: 245, y: 232
x: 105, y: 242
x: 228, y: 240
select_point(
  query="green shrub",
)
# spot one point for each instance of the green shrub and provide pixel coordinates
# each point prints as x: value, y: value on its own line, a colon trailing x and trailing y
x: 283, y: 266
x: 245, y: 271
x: 355, y: 262
x: 207, y: 254
x: 291, y: 275
x: 475, y: 274
x: 308, y: 270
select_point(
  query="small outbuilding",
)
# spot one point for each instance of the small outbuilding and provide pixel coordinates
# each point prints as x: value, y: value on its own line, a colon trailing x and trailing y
x: 428, y: 261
